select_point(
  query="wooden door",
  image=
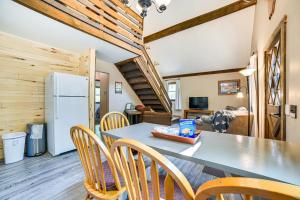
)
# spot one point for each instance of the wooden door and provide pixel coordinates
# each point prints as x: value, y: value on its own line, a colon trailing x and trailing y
x: 102, y: 82
x: 275, y: 85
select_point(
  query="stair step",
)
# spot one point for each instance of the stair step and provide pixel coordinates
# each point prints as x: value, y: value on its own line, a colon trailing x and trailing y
x: 160, y: 110
x: 148, y: 97
x: 128, y: 67
x: 133, y: 74
x: 151, y: 102
x: 137, y: 80
x: 133, y: 71
x: 145, y: 92
x: 156, y: 107
x: 141, y: 86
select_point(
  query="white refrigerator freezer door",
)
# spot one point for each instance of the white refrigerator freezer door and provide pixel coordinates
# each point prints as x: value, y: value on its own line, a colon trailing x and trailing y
x: 71, y: 111
x: 70, y: 85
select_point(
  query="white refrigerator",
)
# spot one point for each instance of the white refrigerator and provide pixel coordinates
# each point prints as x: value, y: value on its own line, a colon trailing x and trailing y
x: 66, y: 105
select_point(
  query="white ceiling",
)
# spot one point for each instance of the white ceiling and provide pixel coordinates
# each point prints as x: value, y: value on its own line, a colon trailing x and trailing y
x: 224, y: 43
x: 178, y: 11
x: 19, y: 20
x: 221, y: 44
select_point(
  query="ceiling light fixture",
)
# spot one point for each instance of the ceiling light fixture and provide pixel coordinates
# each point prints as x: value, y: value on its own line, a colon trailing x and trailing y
x: 142, y: 6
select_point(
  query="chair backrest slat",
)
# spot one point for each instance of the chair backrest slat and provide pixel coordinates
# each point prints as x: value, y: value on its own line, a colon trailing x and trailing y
x: 112, y: 120
x: 90, y: 149
x: 169, y: 188
x: 94, y: 162
x: 134, y: 172
x: 219, y: 197
x: 248, y: 197
x: 81, y: 156
x: 126, y: 173
x: 100, y: 167
x: 143, y: 176
x: 82, y: 147
x: 155, y: 181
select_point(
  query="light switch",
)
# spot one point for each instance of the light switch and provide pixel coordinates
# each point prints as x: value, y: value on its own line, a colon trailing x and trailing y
x: 293, y: 111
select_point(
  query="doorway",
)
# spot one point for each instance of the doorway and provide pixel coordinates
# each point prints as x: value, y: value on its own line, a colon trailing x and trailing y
x: 101, y: 97
x: 275, y: 84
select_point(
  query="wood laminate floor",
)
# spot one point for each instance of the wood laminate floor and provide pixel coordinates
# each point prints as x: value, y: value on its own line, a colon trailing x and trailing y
x: 60, y: 178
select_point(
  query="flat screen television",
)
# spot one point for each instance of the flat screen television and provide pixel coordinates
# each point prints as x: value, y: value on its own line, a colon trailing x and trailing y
x: 200, y: 103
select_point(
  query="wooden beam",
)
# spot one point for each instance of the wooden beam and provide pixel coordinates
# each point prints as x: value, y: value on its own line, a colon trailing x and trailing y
x: 204, y: 73
x: 207, y: 17
x: 60, y: 16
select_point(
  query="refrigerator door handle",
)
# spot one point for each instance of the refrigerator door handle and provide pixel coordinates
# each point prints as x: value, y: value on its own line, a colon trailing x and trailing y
x: 56, y: 107
x: 56, y: 97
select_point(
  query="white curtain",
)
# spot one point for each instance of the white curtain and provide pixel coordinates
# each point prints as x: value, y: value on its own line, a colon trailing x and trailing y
x: 166, y: 84
x: 178, y: 100
x: 253, y: 96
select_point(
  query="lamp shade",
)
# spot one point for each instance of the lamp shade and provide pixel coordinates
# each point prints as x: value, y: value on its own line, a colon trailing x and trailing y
x: 247, y: 71
x: 240, y: 95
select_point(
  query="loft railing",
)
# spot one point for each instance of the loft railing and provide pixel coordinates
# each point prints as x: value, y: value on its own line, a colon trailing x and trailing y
x: 154, y: 79
x: 109, y: 20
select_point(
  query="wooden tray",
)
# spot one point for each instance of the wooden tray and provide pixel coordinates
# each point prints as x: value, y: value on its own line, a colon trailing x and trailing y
x: 176, y: 138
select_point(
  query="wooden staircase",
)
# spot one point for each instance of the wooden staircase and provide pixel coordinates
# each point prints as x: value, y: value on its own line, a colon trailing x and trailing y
x: 143, y: 78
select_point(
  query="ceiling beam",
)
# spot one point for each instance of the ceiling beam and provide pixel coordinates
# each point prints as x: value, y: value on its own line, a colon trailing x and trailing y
x: 207, y: 17
x: 204, y: 73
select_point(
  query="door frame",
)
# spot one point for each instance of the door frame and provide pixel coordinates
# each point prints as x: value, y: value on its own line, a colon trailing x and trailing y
x: 279, y: 33
x: 100, y: 89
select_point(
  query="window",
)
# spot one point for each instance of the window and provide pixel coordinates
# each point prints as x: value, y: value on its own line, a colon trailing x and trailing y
x: 172, y: 90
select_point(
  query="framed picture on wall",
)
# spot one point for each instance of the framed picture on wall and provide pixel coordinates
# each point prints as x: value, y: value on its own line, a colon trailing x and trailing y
x: 228, y: 87
x: 118, y: 87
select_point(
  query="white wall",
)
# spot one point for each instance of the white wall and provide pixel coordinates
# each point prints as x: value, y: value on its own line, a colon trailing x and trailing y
x: 263, y: 28
x: 117, y: 102
x: 207, y: 86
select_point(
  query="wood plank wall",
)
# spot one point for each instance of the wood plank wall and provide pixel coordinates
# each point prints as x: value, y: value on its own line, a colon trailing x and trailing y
x: 24, y: 65
x: 88, y: 61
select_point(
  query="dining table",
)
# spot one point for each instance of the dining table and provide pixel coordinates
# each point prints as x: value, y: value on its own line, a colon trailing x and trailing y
x: 236, y: 154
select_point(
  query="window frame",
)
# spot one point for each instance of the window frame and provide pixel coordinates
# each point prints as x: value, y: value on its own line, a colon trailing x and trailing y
x: 168, y: 90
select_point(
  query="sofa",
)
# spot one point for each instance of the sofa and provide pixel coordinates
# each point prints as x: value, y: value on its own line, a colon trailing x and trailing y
x: 238, y: 125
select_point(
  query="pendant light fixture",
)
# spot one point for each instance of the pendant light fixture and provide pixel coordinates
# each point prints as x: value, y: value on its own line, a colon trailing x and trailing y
x: 142, y: 6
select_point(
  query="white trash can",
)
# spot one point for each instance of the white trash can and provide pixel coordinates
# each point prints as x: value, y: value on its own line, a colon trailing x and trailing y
x: 14, y: 145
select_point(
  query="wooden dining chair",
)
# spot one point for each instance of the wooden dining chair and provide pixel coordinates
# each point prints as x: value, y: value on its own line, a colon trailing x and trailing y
x: 248, y: 188
x: 112, y: 120
x: 101, y: 178
x: 134, y: 173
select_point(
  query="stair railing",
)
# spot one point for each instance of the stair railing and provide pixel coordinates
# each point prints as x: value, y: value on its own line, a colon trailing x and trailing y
x: 154, y: 79
x: 109, y: 20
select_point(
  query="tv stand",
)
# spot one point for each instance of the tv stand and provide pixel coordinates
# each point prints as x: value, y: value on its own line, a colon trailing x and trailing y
x: 204, y: 112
